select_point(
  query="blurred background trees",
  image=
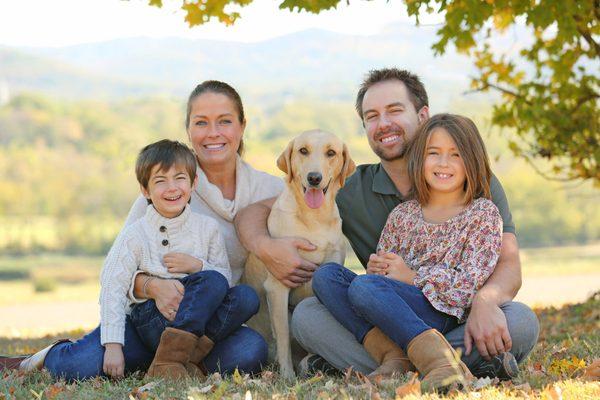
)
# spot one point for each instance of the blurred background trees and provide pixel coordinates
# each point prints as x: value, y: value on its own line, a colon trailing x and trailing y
x: 549, y: 81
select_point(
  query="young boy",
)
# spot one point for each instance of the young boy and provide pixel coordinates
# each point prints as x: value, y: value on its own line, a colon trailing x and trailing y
x: 166, y: 172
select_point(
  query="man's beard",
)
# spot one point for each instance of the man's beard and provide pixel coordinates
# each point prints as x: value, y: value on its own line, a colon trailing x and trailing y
x: 389, y: 154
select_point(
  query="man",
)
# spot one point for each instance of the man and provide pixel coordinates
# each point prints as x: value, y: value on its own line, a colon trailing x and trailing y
x: 391, y: 103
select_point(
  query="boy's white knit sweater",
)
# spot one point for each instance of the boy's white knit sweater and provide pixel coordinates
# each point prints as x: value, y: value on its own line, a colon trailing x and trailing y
x: 141, y: 246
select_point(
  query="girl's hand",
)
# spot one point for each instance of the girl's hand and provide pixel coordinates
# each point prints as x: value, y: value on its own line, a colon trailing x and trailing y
x: 180, y: 263
x: 114, y: 361
x: 397, y: 268
x: 167, y: 293
x: 377, y: 265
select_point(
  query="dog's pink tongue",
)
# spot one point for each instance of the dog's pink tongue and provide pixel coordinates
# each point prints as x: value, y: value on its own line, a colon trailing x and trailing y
x: 314, y: 198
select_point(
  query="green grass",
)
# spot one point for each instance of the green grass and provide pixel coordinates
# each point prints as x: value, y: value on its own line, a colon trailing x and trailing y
x: 569, y: 341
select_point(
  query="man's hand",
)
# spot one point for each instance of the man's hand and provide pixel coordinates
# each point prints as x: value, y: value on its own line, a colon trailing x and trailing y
x: 167, y: 293
x: 180, y: 263
x: 281, y: 258
x: 114, y: 361
x: 487, y: 328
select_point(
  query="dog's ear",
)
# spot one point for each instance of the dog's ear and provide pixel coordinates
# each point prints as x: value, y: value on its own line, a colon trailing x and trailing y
x: 284, y: 162
x: 348, y: 168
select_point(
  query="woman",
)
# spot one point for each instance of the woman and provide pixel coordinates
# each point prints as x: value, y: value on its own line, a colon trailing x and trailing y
x: 215, y: 124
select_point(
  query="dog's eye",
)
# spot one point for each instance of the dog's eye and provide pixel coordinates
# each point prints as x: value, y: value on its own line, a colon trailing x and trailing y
x: 303, y: 150
x: 330, y: 153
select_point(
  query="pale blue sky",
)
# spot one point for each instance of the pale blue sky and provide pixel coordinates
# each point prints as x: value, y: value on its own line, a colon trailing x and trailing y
x: 68, y: 22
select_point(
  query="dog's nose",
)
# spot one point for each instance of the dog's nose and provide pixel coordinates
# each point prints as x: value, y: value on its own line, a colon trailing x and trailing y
x: 314, y: 178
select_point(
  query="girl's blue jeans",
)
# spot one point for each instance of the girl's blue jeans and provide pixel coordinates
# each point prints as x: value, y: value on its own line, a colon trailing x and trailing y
x: 208, y: 307
x: 360, y: 302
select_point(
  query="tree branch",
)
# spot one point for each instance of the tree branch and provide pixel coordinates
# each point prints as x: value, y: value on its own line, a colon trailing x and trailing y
x: 589, y: 39
x: 500, y: 89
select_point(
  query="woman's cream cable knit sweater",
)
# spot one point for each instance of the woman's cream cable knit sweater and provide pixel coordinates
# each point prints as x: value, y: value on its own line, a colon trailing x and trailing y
x: 141, y: 247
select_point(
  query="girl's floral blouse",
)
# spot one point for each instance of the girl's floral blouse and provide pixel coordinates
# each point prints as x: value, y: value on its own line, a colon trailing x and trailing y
x: 452, y: 259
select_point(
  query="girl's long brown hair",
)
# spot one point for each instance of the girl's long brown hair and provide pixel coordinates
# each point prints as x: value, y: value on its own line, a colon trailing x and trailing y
x: 470, y: 147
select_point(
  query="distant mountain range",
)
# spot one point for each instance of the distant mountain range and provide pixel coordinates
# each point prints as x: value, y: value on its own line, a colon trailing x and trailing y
x: 311, y: 63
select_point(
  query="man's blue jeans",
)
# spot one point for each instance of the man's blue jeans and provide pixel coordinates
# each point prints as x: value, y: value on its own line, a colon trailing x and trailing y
x: 236, y: 346
x: 360, y: 302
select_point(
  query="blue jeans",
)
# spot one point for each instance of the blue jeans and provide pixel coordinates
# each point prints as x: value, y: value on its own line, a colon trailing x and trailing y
x: 208, y: 308
x: 360, y: 302
x: 241, y: 348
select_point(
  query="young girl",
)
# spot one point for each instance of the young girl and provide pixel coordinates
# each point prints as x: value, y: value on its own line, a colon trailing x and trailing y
x: 433, y: 255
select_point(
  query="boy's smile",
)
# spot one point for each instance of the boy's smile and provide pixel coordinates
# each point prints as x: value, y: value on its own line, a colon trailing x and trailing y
x: 169, y: 190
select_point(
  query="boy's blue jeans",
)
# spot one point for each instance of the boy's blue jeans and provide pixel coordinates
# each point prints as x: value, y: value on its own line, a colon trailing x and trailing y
x: 208, y: 308
x: 236, y: 346
x: 360, y: 302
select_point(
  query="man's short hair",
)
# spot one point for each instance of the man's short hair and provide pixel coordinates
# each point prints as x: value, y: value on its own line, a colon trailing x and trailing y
x: 416, y: 90
x: 165, y: 153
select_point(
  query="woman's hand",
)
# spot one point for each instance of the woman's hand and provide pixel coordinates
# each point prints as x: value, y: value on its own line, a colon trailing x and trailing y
x: 167, y: 293
x: 180, y: 263
x: 114, y: 360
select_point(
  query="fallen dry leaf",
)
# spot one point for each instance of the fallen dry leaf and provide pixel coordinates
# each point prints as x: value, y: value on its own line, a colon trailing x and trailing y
x: 525, y: 387
x: 147, y: 387
x: 237, y: 378
x: 54, y: 390
x: 481, y: 383
x: 552, y: 393
x: 268, y: 376
x: 592, y: 372
x: 413, y: 386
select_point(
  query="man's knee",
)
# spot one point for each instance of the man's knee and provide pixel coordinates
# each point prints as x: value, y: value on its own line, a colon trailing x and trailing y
x: 523, y: 326
x: 301, y: 323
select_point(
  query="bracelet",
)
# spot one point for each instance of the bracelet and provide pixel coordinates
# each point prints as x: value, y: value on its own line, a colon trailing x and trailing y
x: 148, y: 279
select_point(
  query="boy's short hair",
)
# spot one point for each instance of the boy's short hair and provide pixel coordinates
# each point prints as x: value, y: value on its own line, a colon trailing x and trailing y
x: 165, y: 153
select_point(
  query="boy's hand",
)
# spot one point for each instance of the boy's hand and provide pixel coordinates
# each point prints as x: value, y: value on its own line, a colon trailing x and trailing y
x: 114, y: 361
x: 180, y: 263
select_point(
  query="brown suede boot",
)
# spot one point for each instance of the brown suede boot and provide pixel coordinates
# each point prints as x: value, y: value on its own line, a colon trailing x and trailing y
x: 173, y: 354
x: 194, y: 367
x: 386, y: 353
x: 437, y: 361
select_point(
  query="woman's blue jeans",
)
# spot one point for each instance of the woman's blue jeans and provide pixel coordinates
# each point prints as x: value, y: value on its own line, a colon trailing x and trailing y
x: 236, y: 346
x: 360, y: 302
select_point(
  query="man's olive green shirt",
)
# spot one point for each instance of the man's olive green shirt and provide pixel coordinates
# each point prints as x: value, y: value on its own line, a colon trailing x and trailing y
x: 369, y: 195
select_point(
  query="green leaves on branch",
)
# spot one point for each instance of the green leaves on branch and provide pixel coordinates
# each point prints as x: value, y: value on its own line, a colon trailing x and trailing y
x: 199, y: 12
x: 550, y: 87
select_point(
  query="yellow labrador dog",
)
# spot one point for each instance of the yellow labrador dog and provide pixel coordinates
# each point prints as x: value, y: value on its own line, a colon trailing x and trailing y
x: 316, y: 165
